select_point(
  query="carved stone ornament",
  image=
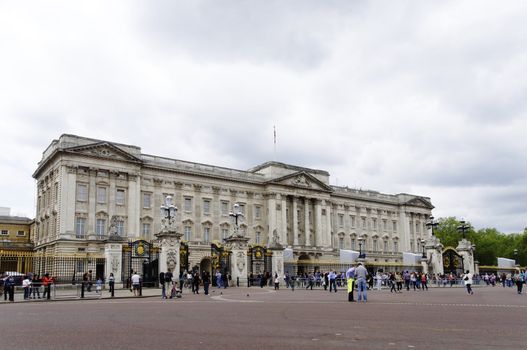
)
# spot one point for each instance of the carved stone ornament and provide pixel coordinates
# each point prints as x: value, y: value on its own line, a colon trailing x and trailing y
x: 116, y: 264
x: 301, y: 180
x: 240, y: 261
x: 171, y: 259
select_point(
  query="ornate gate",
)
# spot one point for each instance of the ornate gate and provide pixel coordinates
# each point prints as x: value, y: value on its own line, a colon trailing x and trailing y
x: 452, y: 261
x: 220, y: 258
x: 260, y: 260
x: 142, y: 257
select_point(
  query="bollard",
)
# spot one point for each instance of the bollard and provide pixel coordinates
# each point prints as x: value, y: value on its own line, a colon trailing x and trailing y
x: 82, y: 290
x: 237, y: 281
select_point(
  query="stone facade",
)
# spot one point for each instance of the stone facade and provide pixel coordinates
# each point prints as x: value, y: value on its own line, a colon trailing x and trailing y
x: 85, y: 184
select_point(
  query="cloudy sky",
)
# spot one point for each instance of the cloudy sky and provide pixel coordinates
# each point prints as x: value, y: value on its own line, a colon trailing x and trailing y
x: 421, y: 97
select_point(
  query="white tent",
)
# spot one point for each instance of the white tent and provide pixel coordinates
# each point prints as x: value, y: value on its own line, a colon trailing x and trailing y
x: 411, y: 259
x: 288, y: 255
x: 348, y: 256
x: 506, y: 263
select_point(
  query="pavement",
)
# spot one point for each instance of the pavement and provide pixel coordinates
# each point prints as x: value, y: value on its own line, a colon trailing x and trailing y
x: 262, y: 318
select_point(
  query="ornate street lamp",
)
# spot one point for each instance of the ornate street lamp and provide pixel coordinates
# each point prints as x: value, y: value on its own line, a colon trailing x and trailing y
x: 431, y: 224
x: 235, y: 214
x: 423, y: 245
x: 168, y: 212
x: 516, y: 256
x: 463, y: 228
x: 361, y: 256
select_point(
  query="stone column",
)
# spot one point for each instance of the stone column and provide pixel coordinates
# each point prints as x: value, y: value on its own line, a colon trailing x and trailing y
x: 434, y: 256
x: 283, y: 234
x: 306, y: 222
x: 295, y: 221
x: 239, y: 248
x: 113, y: 254
x: 271, y: 204
x: 277, y: 261
x: 318, y: 223
x: 328, y: 242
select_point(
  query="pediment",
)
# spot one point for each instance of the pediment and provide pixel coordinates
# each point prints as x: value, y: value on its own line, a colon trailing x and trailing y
x: 103, y: 150
x: 420, y: 202
x: 303, y: 180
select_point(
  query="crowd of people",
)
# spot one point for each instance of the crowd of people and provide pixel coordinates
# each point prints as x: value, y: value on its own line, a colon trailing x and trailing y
x: 32, y: 285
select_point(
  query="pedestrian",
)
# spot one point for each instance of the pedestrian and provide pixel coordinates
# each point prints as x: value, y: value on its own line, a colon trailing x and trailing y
x: 90, y: 283
x: 35, y: 286
x: 111, y: 284
x: 520, y: 279
x: 332, y: 276
x: 293, y: 281
x: 467, y: 277
x: 98, y: 286
x: 136, y: 282
x: 424, y: 281
x: 206, y: 282
x: 162, y: 283
x: 195, y: 282
x: 276, y: 281
x: 378, y: 280
x: 361, y: 274
x: 218, y: 279
x: 392, y: 283
x: 9, y: 288
x: 350, y: 276
x: 311, y: 281
x: 26, y: 284
x: 47, y: 280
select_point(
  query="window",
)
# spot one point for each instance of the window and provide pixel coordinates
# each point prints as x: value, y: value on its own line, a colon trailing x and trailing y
x: 384, y: 225
x: 80, y: 265
x: 353, y: 246
x: 101, y: 194
x: 119, y: 227
x: 257, y: 212
x: 20, y: 233
x: 82, y: 192
x: 375, y: 245
x: 363, y: 223
x: 5, y: 232
x: 412, y: 245
x: 147, y: 200
x: 341, y: 220
x: 119, y: 197
x: 374, y: 224
x: 206, y: 234
x: 146, y: 229
x: 242, y: 208
x: 352, y: 220
x: 385, y: 246
x: 206, y: 206
x: 395, y: 247
x: 80, y: 227
x: 224, y: 233
x: 100, y: 227
x: 258, y: 237
x: 394, y: 226
x: 188, y: 204
x: 224, y: 208
x: 341, y: 243
x: 187, y: 231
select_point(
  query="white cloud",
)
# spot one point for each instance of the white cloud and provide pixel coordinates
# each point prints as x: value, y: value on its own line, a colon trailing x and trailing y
x: 424, y: 97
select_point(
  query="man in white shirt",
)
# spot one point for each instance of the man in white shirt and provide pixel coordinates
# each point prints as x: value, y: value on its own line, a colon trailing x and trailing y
x: 136, y: 282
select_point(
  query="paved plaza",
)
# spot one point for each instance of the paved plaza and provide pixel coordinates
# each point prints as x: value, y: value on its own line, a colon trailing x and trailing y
x: 255, y: 318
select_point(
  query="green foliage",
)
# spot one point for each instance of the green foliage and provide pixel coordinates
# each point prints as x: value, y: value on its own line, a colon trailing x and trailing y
x: 490, y: 243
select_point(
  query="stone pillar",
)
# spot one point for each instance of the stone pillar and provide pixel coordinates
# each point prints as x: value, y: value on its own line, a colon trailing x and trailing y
x: 434, y: 256
x: 318, y: 223
x: 466, y: 250
x: 271, y: 204
x: 295, y: 221
x: 283, y: 226
x: 306, y: 222
x: 328, y: 242
x: 278, y: 261
x: 239, y: 249
x: 113, y: 254
x: 169, y: 242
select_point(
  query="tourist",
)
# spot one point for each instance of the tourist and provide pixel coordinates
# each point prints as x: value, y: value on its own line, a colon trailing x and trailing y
x: 218, y: 279
x: 195, y: 282
x: 98, y: 285
x: 392, y: 283
x: 361, y: 274
x: 276, y: 281
x: 206, y: 282
x: 293, y: 281
x: 90, y: 283
x: 9, y: 288
x: 162, y: 283
x: 310, y: 281
x: 467, y: 277
x: 47, y: 280
x: 520, y: 279
x: 136, y: 282
x: 26, y: 284
x: 332, y: 276
x: 111, y: 284
x: 378, y: 280
x: 424, y: 281
x: 350, y: 276
x: 35, y: 286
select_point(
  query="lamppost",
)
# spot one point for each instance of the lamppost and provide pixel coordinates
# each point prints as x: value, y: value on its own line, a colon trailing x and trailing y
x: 431, y: 224
x: 361, y: 256
x: 235, y: 214
x: 516, y: 256
x: 463, y: 228
x: 423, y: 245
x: 168, y: 212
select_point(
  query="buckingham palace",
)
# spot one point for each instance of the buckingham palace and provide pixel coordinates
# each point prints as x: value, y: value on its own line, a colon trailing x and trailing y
x: 88, y: 187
